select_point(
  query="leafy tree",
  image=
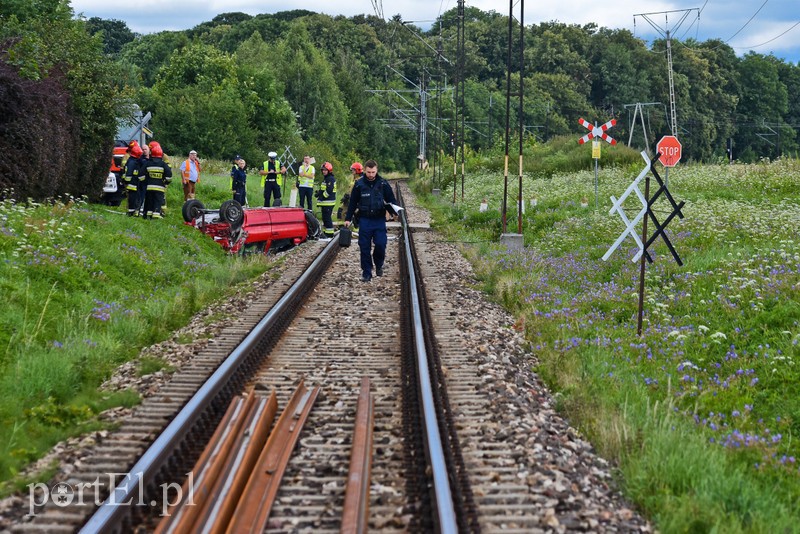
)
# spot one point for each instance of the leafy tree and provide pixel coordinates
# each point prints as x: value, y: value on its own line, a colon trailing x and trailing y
x: 262, y: 91
x: 38, y: 138
x: 115, y: 33
x: 764, y: 101
x: 149, y: 53
x: 311, y: 89
x: 54, y: 44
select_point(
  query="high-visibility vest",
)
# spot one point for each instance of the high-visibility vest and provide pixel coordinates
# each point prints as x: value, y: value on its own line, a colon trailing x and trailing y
x: 187, y: 171
x: 278, y: 175
x: 307, y: 181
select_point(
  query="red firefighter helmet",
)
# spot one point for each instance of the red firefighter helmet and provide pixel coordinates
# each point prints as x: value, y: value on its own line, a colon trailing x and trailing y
x: 131, y: 146
x: 356, y: 167
x: 327, y: 166
x: 155, y: 150
x: 135, y: 150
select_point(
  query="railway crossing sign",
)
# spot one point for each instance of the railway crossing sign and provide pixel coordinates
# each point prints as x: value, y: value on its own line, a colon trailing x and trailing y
x: 646, y: 211
x: 644, y: 214
x: 597, y: 131
x: 670, y: 150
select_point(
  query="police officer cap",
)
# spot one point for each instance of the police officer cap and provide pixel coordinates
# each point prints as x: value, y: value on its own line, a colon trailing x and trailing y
x: 272, y: 155
x: 237, y: 158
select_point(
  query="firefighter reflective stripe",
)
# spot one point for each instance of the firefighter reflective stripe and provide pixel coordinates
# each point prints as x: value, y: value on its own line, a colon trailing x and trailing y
x: 154, y: 187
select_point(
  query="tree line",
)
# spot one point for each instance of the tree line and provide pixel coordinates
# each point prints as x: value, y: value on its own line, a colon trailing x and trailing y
x: 345, y: 88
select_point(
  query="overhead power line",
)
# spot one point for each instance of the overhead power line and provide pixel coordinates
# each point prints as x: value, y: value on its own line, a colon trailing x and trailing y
x: 793, y: 26
x: 748, y: 21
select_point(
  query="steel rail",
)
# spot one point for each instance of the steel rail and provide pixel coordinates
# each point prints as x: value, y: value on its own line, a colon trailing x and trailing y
x: 441, y: 481
x: 255, y: 503
x: 355, y: 518
x: 110, y: 514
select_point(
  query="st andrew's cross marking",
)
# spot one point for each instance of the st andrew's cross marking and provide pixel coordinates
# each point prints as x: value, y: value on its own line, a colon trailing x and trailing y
x: 676, y: 210
x: 597, y: 131
x: 647, y: 204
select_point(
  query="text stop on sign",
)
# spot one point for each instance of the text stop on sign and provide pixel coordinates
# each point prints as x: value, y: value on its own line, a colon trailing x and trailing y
x: 670, y: 149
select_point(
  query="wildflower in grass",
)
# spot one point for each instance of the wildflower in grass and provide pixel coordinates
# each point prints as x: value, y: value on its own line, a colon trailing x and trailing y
x: 702, y: 329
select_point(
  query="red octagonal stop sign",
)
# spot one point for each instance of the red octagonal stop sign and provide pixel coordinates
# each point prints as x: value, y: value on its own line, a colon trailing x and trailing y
x: 670, y: 149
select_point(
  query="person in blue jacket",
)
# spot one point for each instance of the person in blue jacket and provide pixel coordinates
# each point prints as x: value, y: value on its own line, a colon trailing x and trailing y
x: 239, y: 180
x: 369, y: 196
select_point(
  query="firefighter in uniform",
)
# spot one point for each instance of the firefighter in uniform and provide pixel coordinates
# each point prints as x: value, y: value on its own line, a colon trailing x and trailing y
x: 326, y: 198
x: 272, y: 180
x: 157, y: 175
x: 370, y: 195
x: 132, y: 167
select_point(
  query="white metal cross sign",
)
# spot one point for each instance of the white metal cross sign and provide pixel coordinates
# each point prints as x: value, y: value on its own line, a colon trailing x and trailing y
x: 597, y: 131
x: 630, y: 226
x: 288, y: 159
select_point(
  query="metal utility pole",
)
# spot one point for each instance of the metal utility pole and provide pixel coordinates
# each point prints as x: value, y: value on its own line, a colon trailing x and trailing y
x: 667, y: 34
x: 462, y: 82
x: 508, y: 113
x: 521, y: 98
x: 423, y: 122
x: 639, y: 110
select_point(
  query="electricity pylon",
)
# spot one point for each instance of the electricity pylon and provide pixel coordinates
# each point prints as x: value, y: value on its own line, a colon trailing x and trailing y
x: 667, y: 33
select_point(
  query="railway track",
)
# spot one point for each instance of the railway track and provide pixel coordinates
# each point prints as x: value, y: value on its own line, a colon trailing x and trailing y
x: 345, y: 330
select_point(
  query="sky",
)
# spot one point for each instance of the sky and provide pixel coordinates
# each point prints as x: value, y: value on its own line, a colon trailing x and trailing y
x: 764, y: 26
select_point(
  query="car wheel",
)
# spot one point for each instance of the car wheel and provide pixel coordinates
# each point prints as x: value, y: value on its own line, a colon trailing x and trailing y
x: 192, y: 209
x: 314, y: 227
x: 232, y: 213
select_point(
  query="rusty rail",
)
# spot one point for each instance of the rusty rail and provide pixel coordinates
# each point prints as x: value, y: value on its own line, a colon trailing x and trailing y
x: 223, y: 469
x: 256, y: 501
x: 356, y: 501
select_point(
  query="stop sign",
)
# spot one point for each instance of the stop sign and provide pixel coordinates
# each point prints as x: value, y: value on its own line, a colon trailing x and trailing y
x: 670, y: 149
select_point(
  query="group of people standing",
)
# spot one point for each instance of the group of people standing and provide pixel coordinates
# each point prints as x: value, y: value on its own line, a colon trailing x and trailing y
x: 367, y: 204
x: 147, y: 175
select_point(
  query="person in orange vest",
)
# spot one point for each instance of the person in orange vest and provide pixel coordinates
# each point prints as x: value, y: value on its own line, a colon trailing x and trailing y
x: 190, y: 170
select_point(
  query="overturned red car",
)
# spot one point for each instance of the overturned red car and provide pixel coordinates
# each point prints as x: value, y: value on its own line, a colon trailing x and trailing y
x: 241, y: 230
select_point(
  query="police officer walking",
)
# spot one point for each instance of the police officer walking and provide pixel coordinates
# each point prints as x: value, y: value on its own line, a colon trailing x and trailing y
x: 272, y: 179
x: 370, y: 195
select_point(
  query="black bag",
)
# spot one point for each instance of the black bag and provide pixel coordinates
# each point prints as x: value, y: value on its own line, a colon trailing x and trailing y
x: 345, y: 235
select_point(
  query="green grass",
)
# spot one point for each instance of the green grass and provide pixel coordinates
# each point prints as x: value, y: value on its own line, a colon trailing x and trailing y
x: 85, y: 288
x: 700, y: 413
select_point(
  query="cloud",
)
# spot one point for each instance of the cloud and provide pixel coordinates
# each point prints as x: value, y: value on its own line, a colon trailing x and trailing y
x: 718, y: 20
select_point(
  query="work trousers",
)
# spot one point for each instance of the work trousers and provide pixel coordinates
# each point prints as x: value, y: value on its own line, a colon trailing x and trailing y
x: 271, y: 190
x: 306, y: 193
x: 371, y: 231
x: 327, y: 220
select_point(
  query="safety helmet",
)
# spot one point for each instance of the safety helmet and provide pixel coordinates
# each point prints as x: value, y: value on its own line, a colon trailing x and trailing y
x: 136, y: 151
x: 327, y: 166
x: 273, y: 155
x: 356, y: 167
x: 131, y: 146
x: 155, y: 149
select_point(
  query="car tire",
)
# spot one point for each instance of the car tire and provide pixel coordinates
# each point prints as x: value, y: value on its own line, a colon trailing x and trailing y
x: 192, y: 209
x: 232, y: 213
x: 313, y: 224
